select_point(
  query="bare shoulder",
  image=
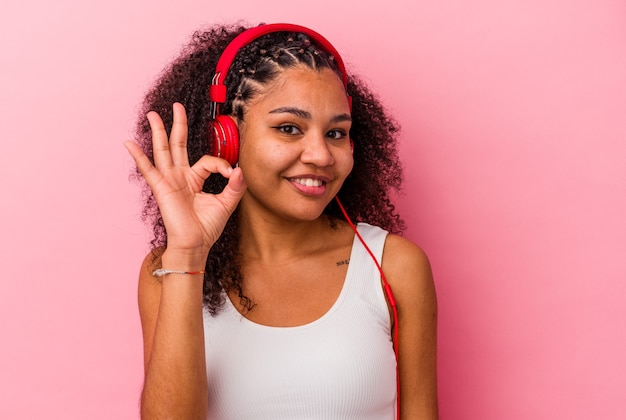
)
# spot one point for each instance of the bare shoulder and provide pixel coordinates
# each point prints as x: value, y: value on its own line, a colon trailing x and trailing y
x: 408, y: 272
x: 407, y: 267
x: 149, y: 299
x: 149, y: 284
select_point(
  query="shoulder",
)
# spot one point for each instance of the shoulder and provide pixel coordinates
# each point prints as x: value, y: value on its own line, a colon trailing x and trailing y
x: 149, y: 298
x: 402, y: 252
x: 149, y: 286
x: 151, y: 262
x: 408, y: 271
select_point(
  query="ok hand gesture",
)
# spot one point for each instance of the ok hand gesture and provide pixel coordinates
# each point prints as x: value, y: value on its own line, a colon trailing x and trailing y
x: 193, y: 219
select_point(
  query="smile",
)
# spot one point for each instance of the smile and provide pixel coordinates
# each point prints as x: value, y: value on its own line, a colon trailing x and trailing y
x: 308, y: 182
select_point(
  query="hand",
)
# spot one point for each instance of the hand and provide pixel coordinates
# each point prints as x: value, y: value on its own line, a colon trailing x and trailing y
x: 193, y: 220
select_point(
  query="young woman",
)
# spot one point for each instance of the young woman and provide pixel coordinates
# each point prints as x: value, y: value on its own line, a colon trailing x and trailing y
x: 259, y: 299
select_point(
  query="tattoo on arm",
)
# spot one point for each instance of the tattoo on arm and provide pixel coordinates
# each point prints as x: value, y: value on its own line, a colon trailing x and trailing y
x: 342, y: 262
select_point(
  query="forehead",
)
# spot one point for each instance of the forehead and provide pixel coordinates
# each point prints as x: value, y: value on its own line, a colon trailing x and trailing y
x: 304, y: 87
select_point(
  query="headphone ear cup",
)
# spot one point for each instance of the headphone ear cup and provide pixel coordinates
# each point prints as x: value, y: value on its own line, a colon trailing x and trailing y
x: 224, y: 139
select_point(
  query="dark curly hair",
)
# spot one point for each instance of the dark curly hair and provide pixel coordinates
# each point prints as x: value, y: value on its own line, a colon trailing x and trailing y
x: 365, y: 194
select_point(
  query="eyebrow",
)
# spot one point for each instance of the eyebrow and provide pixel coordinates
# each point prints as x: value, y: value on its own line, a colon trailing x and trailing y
x: 307, y: 115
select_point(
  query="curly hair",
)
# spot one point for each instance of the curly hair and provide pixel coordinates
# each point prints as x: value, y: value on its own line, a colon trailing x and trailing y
x: 365, y: 193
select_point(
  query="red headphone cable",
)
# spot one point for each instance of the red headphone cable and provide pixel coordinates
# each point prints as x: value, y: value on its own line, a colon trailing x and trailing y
x: 388, y: 293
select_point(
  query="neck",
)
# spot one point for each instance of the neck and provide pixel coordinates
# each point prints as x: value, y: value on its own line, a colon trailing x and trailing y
x: 269, y: 240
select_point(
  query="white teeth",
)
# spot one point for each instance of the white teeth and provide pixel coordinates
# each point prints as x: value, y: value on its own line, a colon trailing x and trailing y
x: 308, y: 182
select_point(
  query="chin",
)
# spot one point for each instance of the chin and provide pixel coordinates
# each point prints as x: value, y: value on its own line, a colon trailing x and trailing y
x: 308, y: 214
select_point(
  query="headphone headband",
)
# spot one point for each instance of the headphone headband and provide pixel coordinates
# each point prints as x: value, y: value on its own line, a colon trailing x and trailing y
x: 217, y: 90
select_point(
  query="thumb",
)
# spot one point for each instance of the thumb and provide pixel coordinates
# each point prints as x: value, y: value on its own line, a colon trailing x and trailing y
x: 234, y: 190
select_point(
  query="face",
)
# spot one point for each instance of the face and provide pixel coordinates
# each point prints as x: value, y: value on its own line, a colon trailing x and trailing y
x: 295, y: 148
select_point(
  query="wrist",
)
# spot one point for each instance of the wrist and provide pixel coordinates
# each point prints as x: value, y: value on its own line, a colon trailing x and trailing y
x: 184, y: 260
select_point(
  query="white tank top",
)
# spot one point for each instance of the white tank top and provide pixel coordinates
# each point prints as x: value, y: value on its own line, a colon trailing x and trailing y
x: 341, y: 366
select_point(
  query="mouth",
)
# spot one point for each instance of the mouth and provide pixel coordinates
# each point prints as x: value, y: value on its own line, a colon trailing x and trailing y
x: 309, y: 185
x: 308, y: 182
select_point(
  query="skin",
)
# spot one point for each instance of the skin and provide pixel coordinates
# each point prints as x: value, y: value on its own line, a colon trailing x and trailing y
x: 295, y: 129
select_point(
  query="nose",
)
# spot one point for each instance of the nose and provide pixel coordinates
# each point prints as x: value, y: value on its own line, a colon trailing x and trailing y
x: 316, y: 151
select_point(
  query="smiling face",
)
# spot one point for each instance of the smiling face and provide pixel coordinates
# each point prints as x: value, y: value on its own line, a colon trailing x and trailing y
x: 295, y: 148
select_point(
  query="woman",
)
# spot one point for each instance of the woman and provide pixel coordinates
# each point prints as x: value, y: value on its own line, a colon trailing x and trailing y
x: 259, y: 299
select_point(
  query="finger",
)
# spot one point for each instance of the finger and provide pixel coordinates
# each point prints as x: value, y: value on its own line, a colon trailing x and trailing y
x: 178, y: 137
x: 160, y: 144
x: 208, y: 165
x: 147, y: 170
x: 234, y: 190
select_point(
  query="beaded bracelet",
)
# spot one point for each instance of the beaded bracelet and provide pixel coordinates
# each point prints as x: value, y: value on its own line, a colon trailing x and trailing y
x: 163, y: 271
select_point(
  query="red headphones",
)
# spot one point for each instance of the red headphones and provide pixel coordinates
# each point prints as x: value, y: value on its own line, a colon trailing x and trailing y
x: 222, y: 132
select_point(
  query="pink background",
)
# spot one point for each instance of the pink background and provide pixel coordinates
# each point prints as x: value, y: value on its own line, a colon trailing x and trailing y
x: 514, y: 129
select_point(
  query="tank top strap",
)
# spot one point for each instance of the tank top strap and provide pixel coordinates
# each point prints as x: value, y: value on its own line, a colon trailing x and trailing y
x: 364, y: 283
x: 374, y: 237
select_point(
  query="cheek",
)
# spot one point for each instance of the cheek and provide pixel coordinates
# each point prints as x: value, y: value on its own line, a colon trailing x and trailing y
x: 262, y: 157
x: 345, y: 163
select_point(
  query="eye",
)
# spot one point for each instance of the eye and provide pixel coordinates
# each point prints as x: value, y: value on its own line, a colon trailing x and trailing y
x: 288, y: 129
x: 336, y: 134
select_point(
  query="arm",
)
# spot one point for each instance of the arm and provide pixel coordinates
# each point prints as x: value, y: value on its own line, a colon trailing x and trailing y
x: 408, y: 271
x: 175, y: 385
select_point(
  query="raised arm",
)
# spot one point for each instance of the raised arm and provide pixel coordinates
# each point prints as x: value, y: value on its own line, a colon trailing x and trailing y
x: 175, y: 385
x: 408, y: 271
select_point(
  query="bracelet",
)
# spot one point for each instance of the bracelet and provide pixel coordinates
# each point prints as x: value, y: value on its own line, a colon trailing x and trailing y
x: 163, y: 271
